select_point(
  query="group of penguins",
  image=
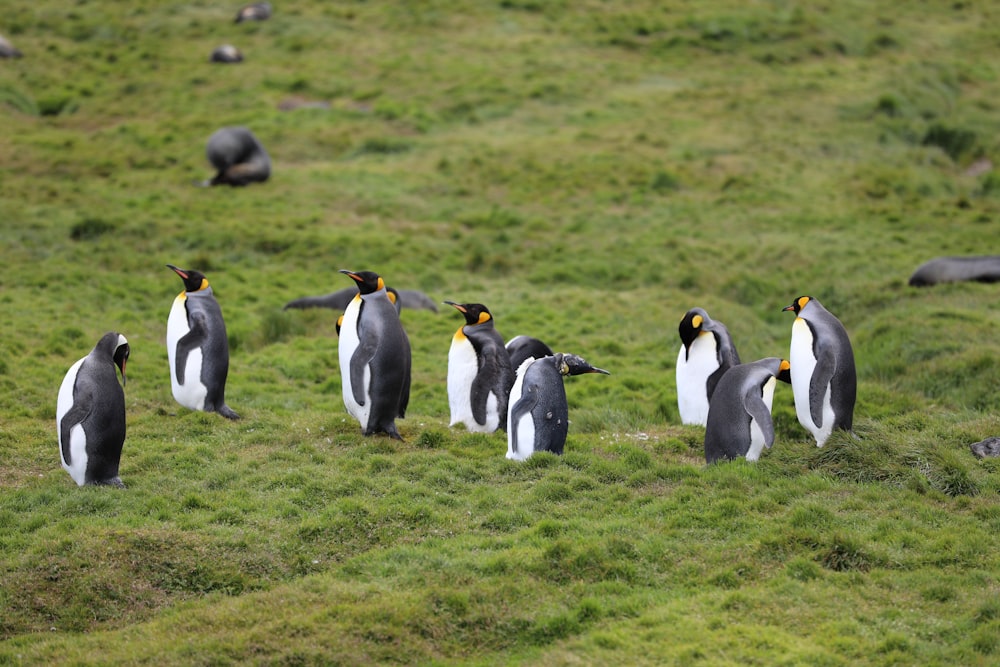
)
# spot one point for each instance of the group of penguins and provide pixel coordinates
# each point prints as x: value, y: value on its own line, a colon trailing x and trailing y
x: 492, y: 385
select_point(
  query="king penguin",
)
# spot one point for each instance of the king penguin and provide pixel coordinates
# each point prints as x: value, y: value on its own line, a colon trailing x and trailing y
x: 521, y: 348
x: 197, y: 347
x: 479, y: 372
x: 739, y: 415
x: 824, y: 380
x: 374, y: 357
x: 538, y: 418
x: 706, y: 353
x: 90, y: 414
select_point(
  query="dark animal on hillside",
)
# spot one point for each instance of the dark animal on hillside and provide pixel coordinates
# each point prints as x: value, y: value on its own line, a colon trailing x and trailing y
x: 338, y: 300
x: 238, y: 156
x: 255, y: 11
x: 989, y: 447
x: 7, y: 50
x: 979, y: 268
x: 227, y: 53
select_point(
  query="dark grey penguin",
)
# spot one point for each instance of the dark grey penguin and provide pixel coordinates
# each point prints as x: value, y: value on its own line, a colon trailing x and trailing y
x: 374, y: 357
x: 238, y: 157
x: 90, y: 414
x: 522, y: 348
x: 338, y: 300
x: 538, y: 417
x: 255, y: 11
x: 227, y: 53
x: 197, y: 347
x: 739, y: 415
x: 824, y: 380
x: 707, y: 351
x: 979, y: 268
x: 479, y: 372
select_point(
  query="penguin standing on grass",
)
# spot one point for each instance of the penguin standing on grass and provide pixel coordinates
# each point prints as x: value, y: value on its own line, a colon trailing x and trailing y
x: 538, y: 417
x: 197, y: 347
x: 479, y: 372
x: 374, y: 357
x: 824, y: 379
x: 739, y: 417
x: 706, y: 353
x: 90, y: 414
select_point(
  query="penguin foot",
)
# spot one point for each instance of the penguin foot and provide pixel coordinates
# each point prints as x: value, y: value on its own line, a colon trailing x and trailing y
x: 389, y: 430
x: 116, y: 482
x: 227, y: 412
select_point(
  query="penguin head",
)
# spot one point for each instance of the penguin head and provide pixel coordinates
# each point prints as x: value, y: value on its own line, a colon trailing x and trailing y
x: 571, y: 364
x: 368, y: 281
x: 193, y: 280
x: 475, y: 313
x: 116, y: 346
x: 798, y: 304
x: 691, y: 325
x: 784, y: 372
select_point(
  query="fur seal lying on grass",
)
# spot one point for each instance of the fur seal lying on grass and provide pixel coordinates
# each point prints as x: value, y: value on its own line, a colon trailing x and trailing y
x: 980, y: 268
x: 338, y: 300
x: 238, y: 156
x: 255, y: 11
x: 7, y: 50
x: 227, y: 53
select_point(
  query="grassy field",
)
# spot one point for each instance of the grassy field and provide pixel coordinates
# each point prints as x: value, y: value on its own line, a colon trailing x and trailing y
x: 589, y: 170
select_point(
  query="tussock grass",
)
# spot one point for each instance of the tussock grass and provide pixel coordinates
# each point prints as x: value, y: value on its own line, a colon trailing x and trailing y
x: 590, y: 171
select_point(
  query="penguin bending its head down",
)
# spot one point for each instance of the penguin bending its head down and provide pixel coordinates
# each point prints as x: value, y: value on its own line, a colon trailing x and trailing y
x: 739, y: 416
x: 374, y: 357
x: 238, y: 157
x: 538, y: 416
x: 706, y: 352
x: 255, y: 11
x: 227, y: 53
x: 197, y: 347
x: 824, y: 380
x: 90, y: 414
x: 479, y: 372
x: 521, y: 348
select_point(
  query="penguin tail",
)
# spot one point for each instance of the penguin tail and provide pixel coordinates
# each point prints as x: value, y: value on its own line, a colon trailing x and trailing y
x: 227, y: 412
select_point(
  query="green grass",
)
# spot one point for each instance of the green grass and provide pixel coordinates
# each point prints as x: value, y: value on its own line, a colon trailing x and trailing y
x: 589, y: 171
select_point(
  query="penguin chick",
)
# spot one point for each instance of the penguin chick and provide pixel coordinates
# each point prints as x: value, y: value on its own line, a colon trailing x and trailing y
x: 706, y: 353
x: 90, y: 414
x: 521, y: 348
x: 479, y: 372
x: 374, y: 357
x: 739, y: 416
x: 538, y: 416
x: 824, y: 380
x: 197, y: 347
